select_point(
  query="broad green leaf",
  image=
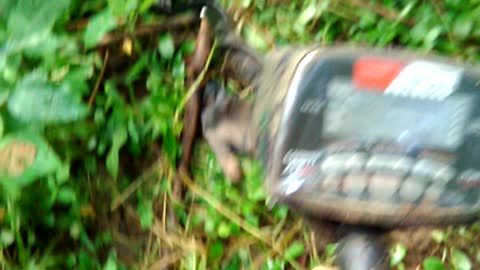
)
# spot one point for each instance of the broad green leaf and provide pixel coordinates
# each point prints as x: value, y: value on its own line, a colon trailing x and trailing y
x: 119, y: 138
x: 37, y: 101
x: 397, y: 254
x: 460, y: 260
x: 30, y: 20
x: 166, y: 46
x: 433, y: 263
x: 24, y: 158
x: 100, y: 24
x: 294, y: 251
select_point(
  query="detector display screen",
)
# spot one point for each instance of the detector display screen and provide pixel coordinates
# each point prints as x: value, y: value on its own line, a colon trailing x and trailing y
x: 370, y: 115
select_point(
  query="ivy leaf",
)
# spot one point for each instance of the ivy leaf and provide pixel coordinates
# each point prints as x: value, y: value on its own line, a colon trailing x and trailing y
x: 6, y: 237
x: 122, y: 7
x: 432, y: 36
x: 255, y: 38
x: 24, y: 157
x: 145, y: 212
x: 66, y: 195
x: 101, y: 23
x: 119, y: 138
x: 166, y: 46
x: 37, y: 101
x: 433, y: 263
x: 216, y: 250
x: 397, y: 254
x: 462, y: 26
x: 30, y: 20
x: 460, y: 260
x: 224, y: 230
x: 305, y: 17
x: 439, y: 236
x: 294, y: 250
x: 145, y: 5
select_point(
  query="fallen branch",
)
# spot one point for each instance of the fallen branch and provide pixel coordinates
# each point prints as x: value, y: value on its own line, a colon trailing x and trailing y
x: 176, y: 22
x: 197, y: 69
x: 99, y: 80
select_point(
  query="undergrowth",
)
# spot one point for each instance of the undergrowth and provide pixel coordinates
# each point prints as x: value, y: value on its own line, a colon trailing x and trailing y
x: 90, y: 125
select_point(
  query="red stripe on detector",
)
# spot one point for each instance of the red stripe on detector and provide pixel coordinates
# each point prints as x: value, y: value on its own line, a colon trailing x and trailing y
x: 375, y: 73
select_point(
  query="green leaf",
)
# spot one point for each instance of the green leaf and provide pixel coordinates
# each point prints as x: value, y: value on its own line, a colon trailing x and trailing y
x: 305, y: 17
x: 33, y: 159
x: 37, y: 101
x: 460, y: 260
x: 331, y: 249
x: 145, y: 212
x: 405, y: 11
x: 145, y: 5
x: 166, y: 46
x: 3, y: 97
x: 246, y: 3
x: 224, y: 230
x: 433, y: 263
x: 439, y: 236
x: 255, y: 39
x: 397, y: 254
x: 216, y: 250
x: 101, y: 23
x: 119, y: 138
x: 30, y: 20
x: 2, y: 126
x: 6, y: 237
x: 122, y: 7
x: 462, y: 26
x: 66, y: 195
x: 295, y: 250
x: 136, y: 70
x: 432, y: 36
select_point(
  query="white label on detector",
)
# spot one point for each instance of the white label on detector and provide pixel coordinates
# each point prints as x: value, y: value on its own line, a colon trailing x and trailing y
x: 425, y: 80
